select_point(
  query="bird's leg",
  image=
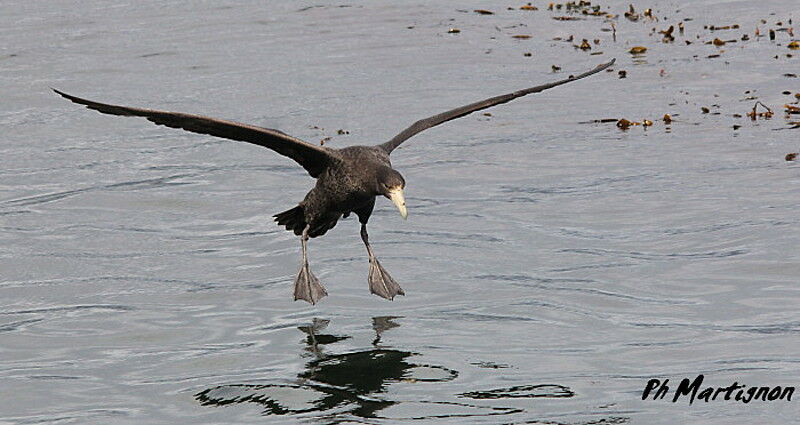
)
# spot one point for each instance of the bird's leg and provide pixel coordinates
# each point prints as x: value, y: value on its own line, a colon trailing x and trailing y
x: 306, y: 285
x: 380, y: 283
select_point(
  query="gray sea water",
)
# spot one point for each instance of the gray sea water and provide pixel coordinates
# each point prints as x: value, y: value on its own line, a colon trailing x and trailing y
x: 552, y: 266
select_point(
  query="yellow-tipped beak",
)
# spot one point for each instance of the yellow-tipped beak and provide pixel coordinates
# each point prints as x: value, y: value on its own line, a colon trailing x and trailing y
x: 396, y: 195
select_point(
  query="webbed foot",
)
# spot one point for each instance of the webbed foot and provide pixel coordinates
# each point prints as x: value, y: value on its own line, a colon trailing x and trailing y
x: 307, y: 286
x: 381, y: 283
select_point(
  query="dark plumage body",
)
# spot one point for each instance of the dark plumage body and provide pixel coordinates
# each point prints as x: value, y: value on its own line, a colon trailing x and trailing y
x: 348, y: 179
x: 347, y: 186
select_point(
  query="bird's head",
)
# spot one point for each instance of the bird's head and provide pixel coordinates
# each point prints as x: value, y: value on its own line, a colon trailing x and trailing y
x: 390, y: 185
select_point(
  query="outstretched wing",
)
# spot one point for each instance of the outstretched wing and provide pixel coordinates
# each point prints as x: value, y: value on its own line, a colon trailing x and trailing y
x: 313, y: 158
x: 435, y: 120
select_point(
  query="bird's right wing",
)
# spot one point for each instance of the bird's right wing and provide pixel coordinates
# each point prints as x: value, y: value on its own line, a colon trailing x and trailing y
x: 313, y: 158
x: 452, y: 114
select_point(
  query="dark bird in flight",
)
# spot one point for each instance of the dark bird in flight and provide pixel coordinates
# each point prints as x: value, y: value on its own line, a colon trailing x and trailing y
x: 348, y: 179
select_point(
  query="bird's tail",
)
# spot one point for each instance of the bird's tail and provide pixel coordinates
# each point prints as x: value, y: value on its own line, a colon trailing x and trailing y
x: 293, y: 219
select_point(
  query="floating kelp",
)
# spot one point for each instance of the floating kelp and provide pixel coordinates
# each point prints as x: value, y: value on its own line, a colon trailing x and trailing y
x: 490, y: 365
x: 583, y: 7
x: 667, y: 33
x: 624, y: 124
x: 790, y: 109
x: 754, y: 114
x: 600, y: 121
x: 723, y: 27
x: 631, y: 14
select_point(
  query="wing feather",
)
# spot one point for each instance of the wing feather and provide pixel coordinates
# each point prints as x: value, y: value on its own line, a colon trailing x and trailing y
x: 311, y: 157
x: 452, y: 114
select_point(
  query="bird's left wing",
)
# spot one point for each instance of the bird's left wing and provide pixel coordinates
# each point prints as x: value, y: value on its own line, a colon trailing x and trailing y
x: 313, y: 158
x: 452, y: 114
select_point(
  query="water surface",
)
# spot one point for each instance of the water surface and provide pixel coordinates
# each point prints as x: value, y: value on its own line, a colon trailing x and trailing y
x: 551, y: 267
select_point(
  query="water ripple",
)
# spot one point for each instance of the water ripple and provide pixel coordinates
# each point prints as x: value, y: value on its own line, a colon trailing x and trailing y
x: 129, y: 185
x: 449, y: 235
x: 72, y: 308
x: 548, y: 284
x: 523, y: 391
x: 654, y: 256
x: 582, y: 188
x: 20, y: 324
x: 769, y: 328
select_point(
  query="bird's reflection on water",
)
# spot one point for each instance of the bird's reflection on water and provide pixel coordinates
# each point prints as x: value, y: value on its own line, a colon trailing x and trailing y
x: 335, y: 383
x: 354, y: 384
